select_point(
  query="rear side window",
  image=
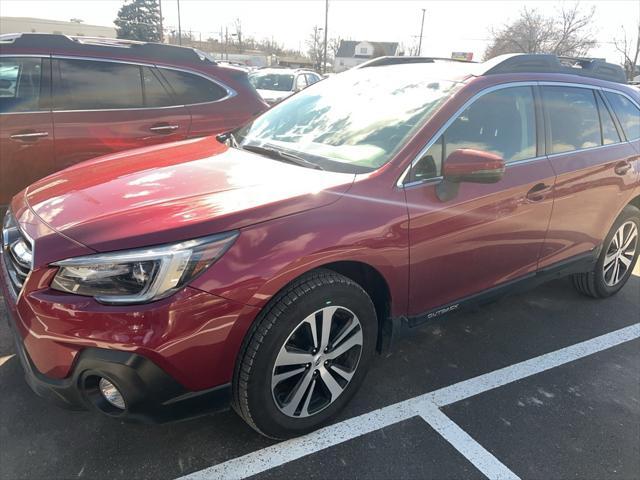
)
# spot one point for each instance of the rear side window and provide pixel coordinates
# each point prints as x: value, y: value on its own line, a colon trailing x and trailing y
x: 609, y: 131
x: 573, y: 118
x: 154, y: 92
x: 190, y: 88
x: 501, y: 122
x: 94, y: 85
x: 628, y: 114
x: 20, y: 82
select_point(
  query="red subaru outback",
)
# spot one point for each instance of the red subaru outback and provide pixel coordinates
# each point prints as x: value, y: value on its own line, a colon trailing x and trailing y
x: 68, y: 99
x: 265, y: 267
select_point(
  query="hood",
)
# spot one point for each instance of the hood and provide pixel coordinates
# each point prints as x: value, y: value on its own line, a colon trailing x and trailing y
x: 271, y: 96
x: 174, y: 192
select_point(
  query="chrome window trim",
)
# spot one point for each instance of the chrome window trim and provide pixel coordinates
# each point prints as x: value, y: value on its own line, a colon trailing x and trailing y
x: 230, y: 92
x: 494, y: 88
x: 26, y: 55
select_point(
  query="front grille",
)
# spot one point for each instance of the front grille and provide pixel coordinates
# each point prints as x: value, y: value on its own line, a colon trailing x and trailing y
x: 17, y: 253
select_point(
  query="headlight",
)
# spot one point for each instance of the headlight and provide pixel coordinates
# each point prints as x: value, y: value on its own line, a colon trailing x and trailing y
x: 141, y: 275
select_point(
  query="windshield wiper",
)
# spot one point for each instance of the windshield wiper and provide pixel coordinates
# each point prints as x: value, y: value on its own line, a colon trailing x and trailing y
x: 281, y: 155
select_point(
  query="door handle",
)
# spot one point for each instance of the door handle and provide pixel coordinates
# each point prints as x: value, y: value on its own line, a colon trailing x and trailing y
x: 164, y: 128
x: 27, y: 136
x: 622, y: 168
x: 538, y: 192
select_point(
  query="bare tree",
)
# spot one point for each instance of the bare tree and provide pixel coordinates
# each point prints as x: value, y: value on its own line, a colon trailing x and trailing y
x: 567, y: 34
x: 315, y: 46
x: 630, y: 52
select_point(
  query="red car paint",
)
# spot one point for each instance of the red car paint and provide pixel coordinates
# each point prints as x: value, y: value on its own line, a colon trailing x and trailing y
x: 77, y: 135
x: 292, y: 220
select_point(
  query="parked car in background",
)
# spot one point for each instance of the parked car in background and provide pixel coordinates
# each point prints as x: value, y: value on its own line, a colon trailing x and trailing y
x: 276, y: 84
x: 65, y: 99
x: 264, y: 269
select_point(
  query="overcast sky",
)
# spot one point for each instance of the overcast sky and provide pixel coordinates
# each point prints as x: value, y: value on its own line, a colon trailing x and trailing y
x: 449, y: 25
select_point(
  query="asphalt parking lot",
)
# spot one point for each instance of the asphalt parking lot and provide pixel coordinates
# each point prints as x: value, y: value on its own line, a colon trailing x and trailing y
x: 545, y: 384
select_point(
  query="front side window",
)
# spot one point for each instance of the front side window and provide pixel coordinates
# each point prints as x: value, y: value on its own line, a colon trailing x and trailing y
x: 628, y: 114
x: 95, y: 85
x: 352, y: 122
x: 501, y: 122
x: 573, y: 118
x: 20, y: 80
x: 190, y: 88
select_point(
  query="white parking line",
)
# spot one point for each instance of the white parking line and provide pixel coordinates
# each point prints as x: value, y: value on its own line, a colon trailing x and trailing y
x: 465, y: 444
x: 422, y: 405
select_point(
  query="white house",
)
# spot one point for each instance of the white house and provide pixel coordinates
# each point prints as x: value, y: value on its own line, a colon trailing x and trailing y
x: 352, y: 52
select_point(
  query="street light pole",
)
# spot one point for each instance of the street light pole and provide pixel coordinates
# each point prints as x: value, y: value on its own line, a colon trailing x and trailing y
x: 326, y: 27
x: 161, y: 28
x: 421, y: 30
x: 179, y: 26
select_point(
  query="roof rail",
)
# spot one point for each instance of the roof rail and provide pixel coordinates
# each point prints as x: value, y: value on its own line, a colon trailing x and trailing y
x: 547, y: 63
x: 401, y: 60
x: 97, y: 45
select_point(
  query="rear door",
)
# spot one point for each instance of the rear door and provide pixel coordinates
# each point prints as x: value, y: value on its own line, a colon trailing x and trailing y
x: 593, y: 163
x: 26, y: 129
x: 488, y: 234
x: 101, y: 107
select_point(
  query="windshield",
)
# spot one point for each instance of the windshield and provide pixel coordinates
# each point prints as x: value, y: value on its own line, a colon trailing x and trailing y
x: 272, y: 81
x: 352, y: 122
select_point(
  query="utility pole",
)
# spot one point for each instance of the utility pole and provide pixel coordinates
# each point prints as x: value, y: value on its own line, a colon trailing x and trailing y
x: 421, y: 30
x: 326, y: 27
x: 161, y: 28
x: 179, y: 26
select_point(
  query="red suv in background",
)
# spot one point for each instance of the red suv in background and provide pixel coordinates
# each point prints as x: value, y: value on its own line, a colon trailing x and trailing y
x: 68, y: 99
x: 264, y: 267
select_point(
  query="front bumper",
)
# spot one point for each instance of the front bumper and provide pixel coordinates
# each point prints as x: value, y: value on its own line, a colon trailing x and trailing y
x: 151, y: 395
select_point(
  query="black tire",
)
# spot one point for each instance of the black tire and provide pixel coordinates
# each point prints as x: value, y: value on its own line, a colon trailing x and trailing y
x: 253, y: 399
x: 593, y: 284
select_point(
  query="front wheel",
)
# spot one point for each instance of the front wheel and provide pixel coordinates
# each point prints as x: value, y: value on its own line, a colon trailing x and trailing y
x: 306, y: 356
x: 617, y: 259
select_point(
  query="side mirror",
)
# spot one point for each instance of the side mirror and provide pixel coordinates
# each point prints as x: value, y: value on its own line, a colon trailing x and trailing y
x: 468, y: 165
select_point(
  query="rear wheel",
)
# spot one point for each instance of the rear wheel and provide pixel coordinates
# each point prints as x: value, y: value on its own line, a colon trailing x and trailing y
x: 307, y: 355
x: 617, y: 259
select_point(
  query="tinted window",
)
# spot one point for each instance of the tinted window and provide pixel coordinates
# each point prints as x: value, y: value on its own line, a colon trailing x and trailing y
x: 628, y: 114
x: 609, y: 132
x: 155, y: 95
x: 94, y: 85
x: 573, y: 118
x: 501, y: 122
x: 190, y: 88
x: 272, y: 81
x: 311, y: 78
x: 20, y: 84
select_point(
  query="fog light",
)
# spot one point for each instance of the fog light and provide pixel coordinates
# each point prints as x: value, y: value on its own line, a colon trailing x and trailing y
x: 111, y: 393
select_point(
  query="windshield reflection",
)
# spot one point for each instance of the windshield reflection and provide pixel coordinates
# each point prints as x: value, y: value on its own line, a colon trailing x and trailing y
x: 353, y: 122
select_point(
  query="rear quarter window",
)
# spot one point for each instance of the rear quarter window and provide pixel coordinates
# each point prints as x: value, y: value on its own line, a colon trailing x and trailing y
x: 628, y: 114
x: 190, y: 88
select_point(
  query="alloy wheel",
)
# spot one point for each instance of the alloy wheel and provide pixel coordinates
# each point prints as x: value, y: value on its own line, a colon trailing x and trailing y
x: 620, y: 254
x: 317, y: 361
